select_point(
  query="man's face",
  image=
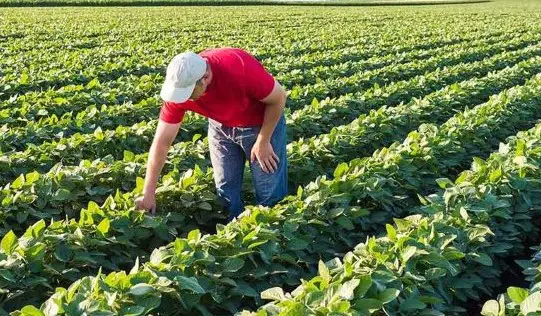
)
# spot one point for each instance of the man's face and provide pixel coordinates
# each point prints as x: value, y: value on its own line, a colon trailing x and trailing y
x: 198, y: 91
x: 201, y: 85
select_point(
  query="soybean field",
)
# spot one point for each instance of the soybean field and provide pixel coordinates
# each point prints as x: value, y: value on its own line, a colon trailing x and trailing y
x: 414, y: 149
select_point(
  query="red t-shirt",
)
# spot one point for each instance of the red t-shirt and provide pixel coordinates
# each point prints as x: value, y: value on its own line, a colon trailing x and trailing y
x: 239, y: 81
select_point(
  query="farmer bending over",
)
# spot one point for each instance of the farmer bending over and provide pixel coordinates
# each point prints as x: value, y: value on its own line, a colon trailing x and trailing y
x: 244, y: 104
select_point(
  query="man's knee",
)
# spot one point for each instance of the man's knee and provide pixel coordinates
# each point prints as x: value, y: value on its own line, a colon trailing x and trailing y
x: 272, y: 199
x: 231, y: 199
x: 270, y: 188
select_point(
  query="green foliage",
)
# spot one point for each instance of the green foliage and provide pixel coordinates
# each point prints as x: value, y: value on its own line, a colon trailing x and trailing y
x: 78, y: 102
x: 415, y: 269
x: 267, y: 239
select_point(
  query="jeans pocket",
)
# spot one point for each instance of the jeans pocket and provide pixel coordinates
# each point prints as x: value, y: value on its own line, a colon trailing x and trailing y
x: 215, y: 125
x: 246, y: 134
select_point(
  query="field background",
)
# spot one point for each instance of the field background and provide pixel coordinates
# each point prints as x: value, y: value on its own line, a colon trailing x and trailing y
x: 16, y: 3
x: 384, y: 103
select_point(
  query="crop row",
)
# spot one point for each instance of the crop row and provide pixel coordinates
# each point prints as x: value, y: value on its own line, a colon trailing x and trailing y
x: 81, y: 33
x: 73, y: 187
x: 518, y: 301
x: 83, y: 37
x: 32, y: 105
x: 352, y: 53
x: 121, y: 59
x: 431, y: 262
x: 48, y: 105
x: 360, y: 81
x: 362, y: 194
x: 54, y: 127
x: 297, y: 43
x: 251, y: 254
x: 378, y: 128
x: 138, y: 137
x: 49, y: 127
x: 355, y: 53
x: 28, y: 200
x: 152, y: 27
x: 324, y: 114
x: 292, y: 42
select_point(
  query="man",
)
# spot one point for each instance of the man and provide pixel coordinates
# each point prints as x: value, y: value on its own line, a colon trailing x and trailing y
x: 244, y: 104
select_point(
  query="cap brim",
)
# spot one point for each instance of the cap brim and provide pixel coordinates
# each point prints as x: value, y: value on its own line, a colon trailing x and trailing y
x: 170, y: 93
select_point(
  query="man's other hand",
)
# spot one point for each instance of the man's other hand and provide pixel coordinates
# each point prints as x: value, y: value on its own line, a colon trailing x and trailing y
x: 264, y: 154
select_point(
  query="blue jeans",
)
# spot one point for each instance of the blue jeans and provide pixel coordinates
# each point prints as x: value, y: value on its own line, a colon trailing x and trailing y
x: 230, y: 147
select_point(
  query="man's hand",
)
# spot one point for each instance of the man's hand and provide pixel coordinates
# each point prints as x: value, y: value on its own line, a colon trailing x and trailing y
x: 165, y: 134
x: 264, y: 154
x: 147, y: 203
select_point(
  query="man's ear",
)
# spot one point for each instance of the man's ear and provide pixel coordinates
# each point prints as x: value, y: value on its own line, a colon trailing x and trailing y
x: 206, y: 77
x: 207, y: 71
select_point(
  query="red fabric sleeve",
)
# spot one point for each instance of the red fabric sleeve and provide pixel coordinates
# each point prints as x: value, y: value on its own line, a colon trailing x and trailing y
x: 172, y: 113
x: 259, y: 82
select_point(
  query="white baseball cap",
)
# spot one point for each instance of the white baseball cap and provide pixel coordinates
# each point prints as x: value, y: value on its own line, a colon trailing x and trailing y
x: 182, y: 74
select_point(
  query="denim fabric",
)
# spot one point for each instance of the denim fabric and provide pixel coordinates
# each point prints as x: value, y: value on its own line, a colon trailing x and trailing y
x: 230, y: 147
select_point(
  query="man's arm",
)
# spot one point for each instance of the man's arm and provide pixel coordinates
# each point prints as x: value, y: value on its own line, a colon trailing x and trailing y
x: 262, y: 150
x: 164, y: 137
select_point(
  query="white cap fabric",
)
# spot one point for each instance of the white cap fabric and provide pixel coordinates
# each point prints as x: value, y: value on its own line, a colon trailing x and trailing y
x: 182, y: 74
